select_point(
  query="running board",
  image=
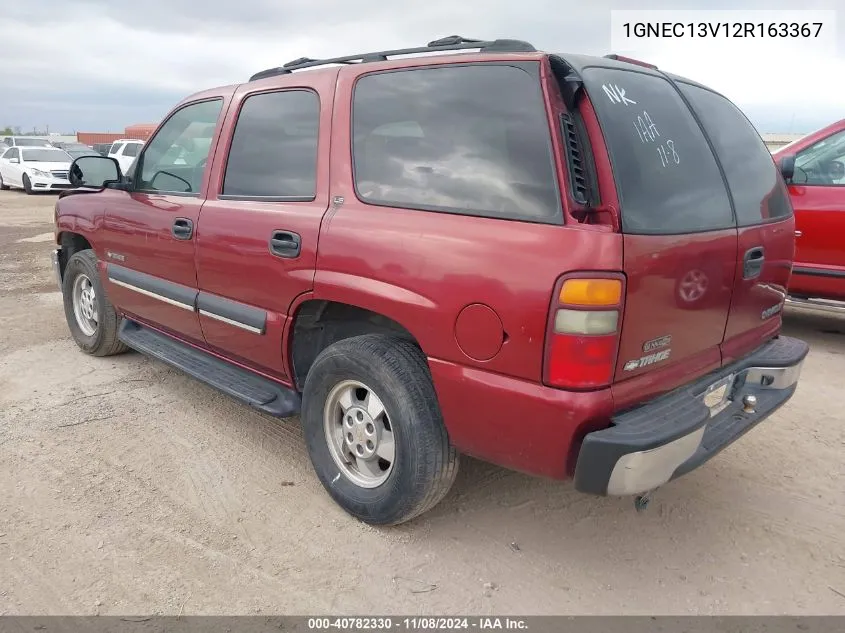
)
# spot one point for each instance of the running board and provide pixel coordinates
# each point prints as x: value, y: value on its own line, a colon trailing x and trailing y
x: 820, y: 305
x: 258, y: 392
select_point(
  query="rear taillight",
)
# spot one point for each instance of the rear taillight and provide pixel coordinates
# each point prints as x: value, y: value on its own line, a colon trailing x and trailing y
x: 583, y: 336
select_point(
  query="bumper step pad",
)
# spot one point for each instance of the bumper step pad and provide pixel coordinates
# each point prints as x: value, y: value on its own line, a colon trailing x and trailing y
x: 649, y: 437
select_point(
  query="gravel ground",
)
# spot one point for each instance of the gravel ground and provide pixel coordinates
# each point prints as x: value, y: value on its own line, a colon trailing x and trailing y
x: 127, y: 487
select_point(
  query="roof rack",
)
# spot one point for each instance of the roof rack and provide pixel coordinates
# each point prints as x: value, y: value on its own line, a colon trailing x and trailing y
x: 450, y: 43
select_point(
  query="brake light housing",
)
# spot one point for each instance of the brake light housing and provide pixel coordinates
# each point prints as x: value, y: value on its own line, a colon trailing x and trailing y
x: 584, y: 327
x: 630, y: 60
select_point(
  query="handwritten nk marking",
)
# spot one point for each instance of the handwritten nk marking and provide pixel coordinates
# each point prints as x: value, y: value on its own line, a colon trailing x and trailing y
x: 616, y: 94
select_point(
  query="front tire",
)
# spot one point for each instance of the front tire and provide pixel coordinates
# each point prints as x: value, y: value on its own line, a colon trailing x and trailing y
x: 374, y: 430
x: 27, y: 185
x: 92, y: 319
x: 3, y: 185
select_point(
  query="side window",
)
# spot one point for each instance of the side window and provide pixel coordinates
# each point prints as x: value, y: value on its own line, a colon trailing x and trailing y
x: 757, y: 191
x: 174, y: 159
x: 115, y: 149
x: 12, y: 153
x: 131, y: 149
x: 274, y: 147
x: 823, y: 163
x: 472, y: 140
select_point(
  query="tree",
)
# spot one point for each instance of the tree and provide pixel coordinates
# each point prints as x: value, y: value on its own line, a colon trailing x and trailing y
x: 7, y: 130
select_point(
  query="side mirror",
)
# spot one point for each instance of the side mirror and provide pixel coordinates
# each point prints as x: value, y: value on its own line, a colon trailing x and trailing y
x: 94, y: 171
x: 14, y: 160
x: 787, y: 167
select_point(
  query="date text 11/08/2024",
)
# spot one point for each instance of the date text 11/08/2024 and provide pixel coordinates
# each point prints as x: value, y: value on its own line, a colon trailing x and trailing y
x: 647, y: 30
x: 417, y: 623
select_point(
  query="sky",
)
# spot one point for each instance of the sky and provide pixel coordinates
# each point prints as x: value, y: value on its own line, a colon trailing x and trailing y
x: 100, y: 65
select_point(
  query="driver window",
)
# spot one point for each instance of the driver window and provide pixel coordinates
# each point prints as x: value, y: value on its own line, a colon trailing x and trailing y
x: 174, y: 159
x: 822, y: 163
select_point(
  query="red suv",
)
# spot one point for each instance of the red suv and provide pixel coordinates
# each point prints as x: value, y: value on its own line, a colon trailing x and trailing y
x: 814, y: 167
x: 566, y: 265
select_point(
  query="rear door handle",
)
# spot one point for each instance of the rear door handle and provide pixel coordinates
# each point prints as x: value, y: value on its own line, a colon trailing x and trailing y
x: 752, y: 263
x: 285, y: 244
x: 182, y: 229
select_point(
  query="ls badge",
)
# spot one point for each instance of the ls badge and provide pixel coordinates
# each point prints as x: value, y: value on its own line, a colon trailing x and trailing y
x: 651, y: 358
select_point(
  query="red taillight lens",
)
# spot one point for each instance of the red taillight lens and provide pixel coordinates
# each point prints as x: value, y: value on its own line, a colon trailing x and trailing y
x: 582, y: 343
x: 581, y: 362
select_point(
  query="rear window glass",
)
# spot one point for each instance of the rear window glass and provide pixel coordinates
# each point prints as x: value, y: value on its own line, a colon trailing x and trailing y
x: 131, y: 149
x: 472, y: 140
x: 45, y: 156
x: 758, y: 194
x: 666, y: 175
x: 32, y: 142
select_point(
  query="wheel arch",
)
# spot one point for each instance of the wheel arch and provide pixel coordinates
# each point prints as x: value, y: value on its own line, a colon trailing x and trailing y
x: 71, y: 242
x: 318, y: 323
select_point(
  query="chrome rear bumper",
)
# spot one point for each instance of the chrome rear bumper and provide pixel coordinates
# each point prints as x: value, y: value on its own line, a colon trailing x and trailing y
x: 671, y: 435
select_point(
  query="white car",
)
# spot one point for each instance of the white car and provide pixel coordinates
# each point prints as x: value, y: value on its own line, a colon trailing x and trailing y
x: 24, y: 141
x: 125, y: 151
x: 35, y: 169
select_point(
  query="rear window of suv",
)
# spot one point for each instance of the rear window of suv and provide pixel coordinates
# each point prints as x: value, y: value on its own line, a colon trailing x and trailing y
x: 472, y: 140
x: 667, y: 177
x: 758, y: 193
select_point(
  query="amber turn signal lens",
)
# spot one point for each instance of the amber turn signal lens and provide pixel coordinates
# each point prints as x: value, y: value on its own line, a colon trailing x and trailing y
x: 591, y: 292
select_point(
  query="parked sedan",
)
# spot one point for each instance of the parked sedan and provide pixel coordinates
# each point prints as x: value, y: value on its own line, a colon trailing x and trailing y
x: 35, y: 169
x: 26, y: 141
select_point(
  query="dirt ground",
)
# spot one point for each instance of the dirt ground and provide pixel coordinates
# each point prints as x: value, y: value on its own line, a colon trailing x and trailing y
x: 127, y: 488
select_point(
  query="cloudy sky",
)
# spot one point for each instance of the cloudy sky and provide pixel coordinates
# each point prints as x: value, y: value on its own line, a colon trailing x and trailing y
x: 99, y: 65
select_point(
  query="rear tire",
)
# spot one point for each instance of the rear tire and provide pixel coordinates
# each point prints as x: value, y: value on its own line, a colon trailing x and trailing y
x: 401, y: 479
x: 91, y: 317
x: 27, y: 185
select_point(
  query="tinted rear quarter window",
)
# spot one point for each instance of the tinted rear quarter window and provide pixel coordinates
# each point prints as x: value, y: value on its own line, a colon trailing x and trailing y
x: 274, y: 147
x: 666, y: 175
x: 758, y: 193
x: 472, y: 140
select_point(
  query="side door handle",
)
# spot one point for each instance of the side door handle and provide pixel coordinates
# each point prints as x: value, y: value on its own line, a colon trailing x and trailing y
x: 182, y: 229
x: 285, y: 244
x: 752, y: 262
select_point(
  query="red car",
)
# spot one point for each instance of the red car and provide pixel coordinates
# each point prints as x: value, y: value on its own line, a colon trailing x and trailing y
x: 567, y: 265
x: 815, y: 171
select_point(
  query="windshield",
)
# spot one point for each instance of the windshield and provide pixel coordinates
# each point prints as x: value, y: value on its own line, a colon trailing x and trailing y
x: 31, y: 142
x: 45, y: 156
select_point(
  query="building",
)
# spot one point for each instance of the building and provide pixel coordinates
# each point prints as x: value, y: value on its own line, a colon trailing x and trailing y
x: 775, y: 141
x: 141, y: 131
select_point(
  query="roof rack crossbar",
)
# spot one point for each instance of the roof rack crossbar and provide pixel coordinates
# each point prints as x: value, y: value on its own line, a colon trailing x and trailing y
x: 450, y: 43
